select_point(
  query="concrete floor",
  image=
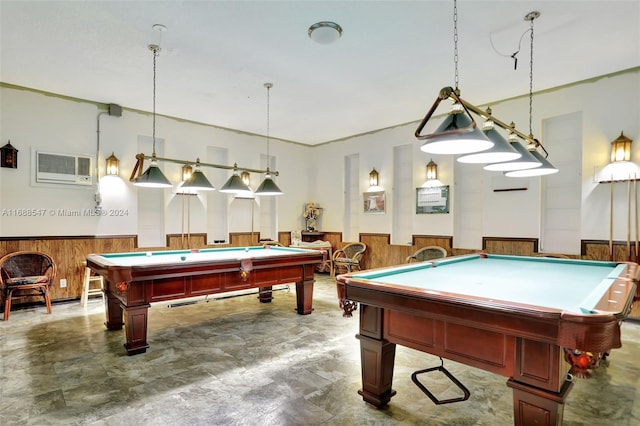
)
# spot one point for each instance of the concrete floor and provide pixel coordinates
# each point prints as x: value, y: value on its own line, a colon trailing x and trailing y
x: 239, y: 362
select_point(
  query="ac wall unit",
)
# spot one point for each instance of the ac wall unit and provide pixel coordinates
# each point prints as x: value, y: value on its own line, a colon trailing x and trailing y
x: 63, y: 168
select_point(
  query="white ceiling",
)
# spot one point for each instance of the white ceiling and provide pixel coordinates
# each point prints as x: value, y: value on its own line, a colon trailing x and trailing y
x: 387, y: 68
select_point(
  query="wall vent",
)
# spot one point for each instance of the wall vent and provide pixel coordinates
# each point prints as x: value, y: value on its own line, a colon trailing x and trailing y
x: 63, y: 168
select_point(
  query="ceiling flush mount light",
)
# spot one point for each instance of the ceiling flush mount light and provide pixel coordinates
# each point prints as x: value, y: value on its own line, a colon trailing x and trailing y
x: 112, y: 165
x: 153, y: 177
x: 325, y: 32
x: 268, y: 186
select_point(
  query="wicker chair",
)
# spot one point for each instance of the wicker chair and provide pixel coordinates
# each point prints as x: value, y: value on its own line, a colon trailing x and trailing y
x: 348, y: 257
x: 26, y: 274
x: 427, y: 253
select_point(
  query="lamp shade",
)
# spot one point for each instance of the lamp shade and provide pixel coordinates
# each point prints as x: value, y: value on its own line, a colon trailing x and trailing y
x: 268, y: 187
x: 499, y: 152
x: 457, y: 134
x: 526, y: 160
x: 545, y: 168
x: 234, y: 185
x: 152, y: 178
x: 198, y: 182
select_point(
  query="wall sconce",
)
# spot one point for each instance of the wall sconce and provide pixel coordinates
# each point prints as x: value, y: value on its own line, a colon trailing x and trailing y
x: 432, y: 176
x: 113, y: 165
x: 245, y: 176
x: 9, y: 156
x: 621, y: 149
x: 186, y: 172
x: 373, y: 181
x: 373, y: 178
x: 432, y: 170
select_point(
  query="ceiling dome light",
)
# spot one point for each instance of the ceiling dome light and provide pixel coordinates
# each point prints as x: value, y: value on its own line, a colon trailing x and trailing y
x: 325, y: 32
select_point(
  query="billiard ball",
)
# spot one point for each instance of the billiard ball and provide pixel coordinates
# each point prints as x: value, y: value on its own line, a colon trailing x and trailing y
x: 148, y: 254
x: 246, y: 249
x: 183, y: 257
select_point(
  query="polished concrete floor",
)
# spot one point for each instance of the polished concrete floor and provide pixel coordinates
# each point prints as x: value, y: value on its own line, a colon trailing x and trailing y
x: 239, y: 362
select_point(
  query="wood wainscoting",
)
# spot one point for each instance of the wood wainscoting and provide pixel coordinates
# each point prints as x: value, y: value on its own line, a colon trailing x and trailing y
x: 69, y: 252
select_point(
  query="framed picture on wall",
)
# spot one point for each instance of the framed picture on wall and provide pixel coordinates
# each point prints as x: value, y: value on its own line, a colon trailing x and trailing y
x: 374, y: 202
x: 432, y: 200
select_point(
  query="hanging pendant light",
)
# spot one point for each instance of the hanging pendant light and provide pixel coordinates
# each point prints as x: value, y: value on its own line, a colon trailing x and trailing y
x: 234, y: 184
x: 198, y: 181
x: 153, y: 176
x: 525, y: 161
x: 501, y: 150
x: 458, y: 133
x: 246, y: 179
x: 544, y: 167
x: 268, y: 186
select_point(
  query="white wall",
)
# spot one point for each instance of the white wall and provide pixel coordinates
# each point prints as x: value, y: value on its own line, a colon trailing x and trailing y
x: 608, y: 106
x: 31, y: 119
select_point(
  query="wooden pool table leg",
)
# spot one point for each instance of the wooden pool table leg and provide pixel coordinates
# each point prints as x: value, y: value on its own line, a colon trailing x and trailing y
x: 113, y: 311
x: 377, y: 357
x: 135, y: 327
x: 535, y: 406
x: 304, y: 297
x: 265, y: 295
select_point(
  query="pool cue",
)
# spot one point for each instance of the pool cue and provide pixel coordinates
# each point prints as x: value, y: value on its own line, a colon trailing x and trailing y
x: 189, y: 222
x: 611, y: 220
x: 629, y: 217
x: 182, y: 222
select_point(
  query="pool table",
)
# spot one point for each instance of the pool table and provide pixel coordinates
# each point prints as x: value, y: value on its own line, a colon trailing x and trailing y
x: 134, y: 280
x: 520, y: 317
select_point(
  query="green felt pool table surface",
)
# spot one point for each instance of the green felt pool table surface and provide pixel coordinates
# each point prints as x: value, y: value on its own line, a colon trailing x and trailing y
x: 563, y: 284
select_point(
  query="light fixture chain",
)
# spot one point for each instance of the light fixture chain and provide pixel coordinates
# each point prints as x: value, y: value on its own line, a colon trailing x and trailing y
x: 268, y: 118
x: 531, y: 82
x: 455, y: 43
x: 155, y: 55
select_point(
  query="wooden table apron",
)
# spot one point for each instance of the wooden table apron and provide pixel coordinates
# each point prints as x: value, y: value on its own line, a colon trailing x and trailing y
x: 130, y: 290
x: 523, y: 344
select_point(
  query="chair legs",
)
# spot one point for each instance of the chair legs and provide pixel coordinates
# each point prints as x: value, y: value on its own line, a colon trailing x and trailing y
x: 7, y: 305
x: 9, y: 295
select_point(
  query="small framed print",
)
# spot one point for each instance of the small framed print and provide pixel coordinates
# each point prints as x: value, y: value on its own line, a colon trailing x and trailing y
x: 432, y: 200
x: 374, y: 202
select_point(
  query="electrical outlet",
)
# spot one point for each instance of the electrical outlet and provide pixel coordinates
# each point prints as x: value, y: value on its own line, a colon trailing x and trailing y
x: 63, y: 282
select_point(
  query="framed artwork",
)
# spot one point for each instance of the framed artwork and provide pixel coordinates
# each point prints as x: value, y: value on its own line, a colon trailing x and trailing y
x: 432, y: 200
x: 374, y: 202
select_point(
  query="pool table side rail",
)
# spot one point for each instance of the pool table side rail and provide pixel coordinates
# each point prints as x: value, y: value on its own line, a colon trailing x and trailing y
x: 115, y: 272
